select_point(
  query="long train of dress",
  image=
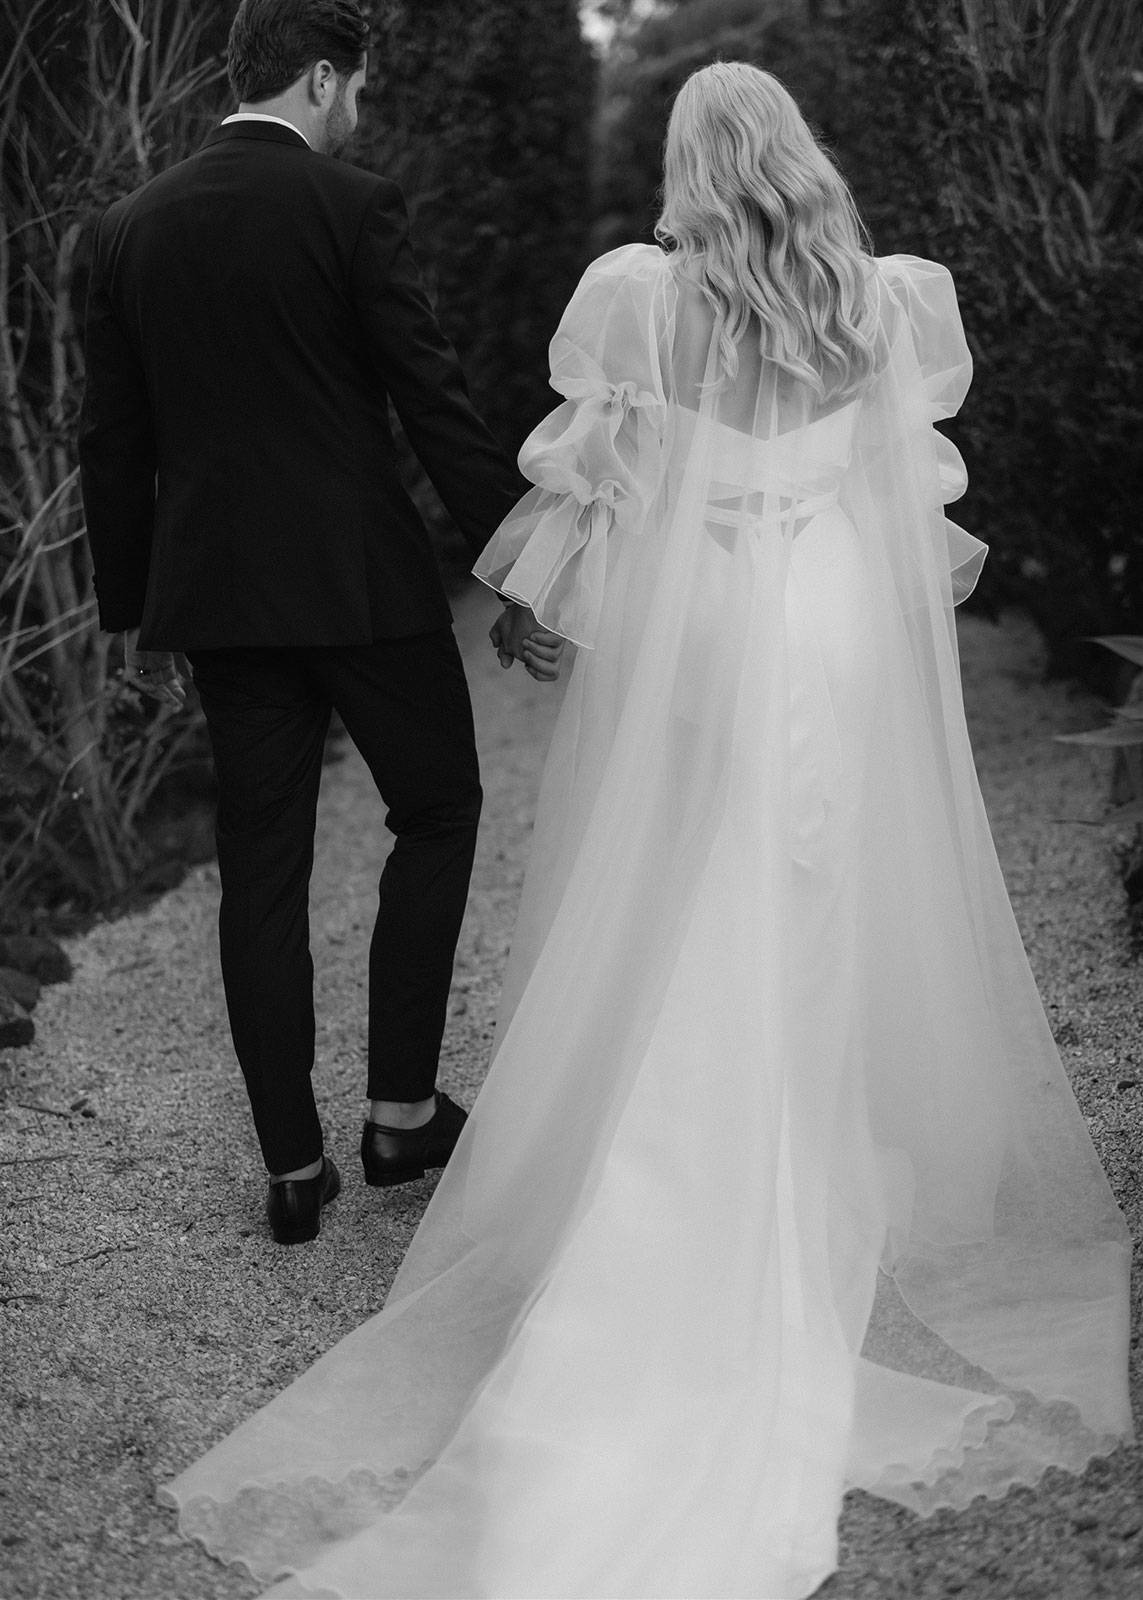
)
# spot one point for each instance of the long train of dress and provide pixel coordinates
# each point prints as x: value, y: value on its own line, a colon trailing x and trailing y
x: 776, y: 1185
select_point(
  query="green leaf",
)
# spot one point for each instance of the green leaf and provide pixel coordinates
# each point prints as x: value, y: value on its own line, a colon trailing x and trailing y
x: 1127, y: 645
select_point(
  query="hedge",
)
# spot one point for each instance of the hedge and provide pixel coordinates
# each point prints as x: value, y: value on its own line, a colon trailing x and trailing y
x: 1002, y: 137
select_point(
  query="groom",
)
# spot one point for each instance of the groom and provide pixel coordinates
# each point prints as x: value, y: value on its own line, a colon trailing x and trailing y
x: 252, y: 312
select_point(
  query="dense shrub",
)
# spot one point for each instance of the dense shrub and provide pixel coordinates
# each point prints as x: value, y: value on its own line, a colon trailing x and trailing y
x: 483, y: 114
x: 1006, y: 141
x: 1002, y: 137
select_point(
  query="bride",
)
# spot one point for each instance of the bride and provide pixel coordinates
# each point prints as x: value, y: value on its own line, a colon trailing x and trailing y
x: 776, y: 1186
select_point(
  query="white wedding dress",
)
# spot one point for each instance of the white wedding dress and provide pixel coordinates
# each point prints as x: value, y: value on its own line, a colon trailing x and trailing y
x: 776, y: 1186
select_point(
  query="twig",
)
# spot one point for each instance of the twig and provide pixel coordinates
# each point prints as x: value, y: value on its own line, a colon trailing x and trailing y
x: 51, y: 1111
x: 92, y: 1255
x: 139, y: 45
x: 7, y: 1299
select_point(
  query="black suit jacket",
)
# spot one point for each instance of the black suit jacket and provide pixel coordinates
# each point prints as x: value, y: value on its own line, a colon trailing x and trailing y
x: 251, y: 312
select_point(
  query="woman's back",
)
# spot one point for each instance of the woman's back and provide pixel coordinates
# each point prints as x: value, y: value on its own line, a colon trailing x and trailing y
x: 761, y: 398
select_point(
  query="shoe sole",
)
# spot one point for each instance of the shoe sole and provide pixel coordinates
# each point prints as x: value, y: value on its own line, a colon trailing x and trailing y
x: 389, y: 1180
x: 296, y: 1238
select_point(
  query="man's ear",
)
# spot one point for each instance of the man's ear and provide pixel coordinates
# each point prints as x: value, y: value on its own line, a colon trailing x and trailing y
x: 323, y: 80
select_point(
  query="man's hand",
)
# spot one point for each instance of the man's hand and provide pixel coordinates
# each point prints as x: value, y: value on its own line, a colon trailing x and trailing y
x: 518, y: 636
x: 153, y: 672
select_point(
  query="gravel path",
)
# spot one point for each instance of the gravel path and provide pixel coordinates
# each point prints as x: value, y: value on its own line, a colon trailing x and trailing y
x: 143, y: 1311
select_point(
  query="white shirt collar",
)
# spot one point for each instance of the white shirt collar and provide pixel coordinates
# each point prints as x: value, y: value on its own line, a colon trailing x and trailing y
x: 261, y: 116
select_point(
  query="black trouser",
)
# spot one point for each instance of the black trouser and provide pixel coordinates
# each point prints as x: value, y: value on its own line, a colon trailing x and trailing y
x: 405, y: 705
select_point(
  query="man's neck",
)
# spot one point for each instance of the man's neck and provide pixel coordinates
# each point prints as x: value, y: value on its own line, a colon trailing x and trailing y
x: 280, y: 110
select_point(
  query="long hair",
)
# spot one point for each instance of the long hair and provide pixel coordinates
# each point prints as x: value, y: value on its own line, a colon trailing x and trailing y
x: 754, y: 204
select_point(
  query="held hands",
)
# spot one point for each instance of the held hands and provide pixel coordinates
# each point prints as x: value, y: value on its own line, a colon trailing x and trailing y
x: 154, y: 673
x: 518, y: 636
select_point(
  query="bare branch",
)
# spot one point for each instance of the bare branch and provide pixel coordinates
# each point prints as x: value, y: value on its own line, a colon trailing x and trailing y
x: 63, y: 152
x: 122, y: 10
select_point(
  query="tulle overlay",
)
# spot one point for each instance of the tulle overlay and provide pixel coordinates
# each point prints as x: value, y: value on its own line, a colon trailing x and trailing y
x: 776, y: 1185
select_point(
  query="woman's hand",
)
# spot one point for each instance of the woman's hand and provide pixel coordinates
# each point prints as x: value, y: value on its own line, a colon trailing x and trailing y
x: 542, y: 654
x: 517, y: 636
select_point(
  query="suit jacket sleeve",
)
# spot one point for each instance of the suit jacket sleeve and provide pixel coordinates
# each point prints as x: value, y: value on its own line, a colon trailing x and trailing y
x: 117, y: 460
x: 472, y: 474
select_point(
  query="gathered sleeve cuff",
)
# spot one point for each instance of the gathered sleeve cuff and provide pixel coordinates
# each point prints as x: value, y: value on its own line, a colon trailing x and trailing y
x: 552, y: 557
x: 966, y: 553
x: 593, y: 459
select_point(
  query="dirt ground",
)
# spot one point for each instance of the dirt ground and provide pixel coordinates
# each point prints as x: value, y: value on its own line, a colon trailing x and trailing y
x: 144, y: 1311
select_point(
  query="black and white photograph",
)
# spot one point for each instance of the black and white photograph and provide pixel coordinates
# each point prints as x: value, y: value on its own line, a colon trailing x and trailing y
x: 571, y: 799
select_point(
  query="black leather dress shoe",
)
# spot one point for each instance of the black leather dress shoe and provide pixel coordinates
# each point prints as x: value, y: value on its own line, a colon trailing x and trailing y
x: 294, y: 1207
x: 398, y: 1155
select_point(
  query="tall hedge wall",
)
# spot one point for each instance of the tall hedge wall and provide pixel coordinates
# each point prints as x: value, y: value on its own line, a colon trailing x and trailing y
x: 483, y: 113
x: 1009, y: 154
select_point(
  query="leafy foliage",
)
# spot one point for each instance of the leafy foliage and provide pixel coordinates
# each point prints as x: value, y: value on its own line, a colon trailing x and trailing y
x: 1009, y: 145
x: 483, y: 114
x: 1003, y: 137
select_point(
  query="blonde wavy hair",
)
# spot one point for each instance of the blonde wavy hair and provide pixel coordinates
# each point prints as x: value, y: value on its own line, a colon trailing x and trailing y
x: 754, y: 203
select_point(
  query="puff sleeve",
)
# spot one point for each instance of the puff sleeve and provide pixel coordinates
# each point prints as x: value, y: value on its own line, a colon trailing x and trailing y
x: 925, y: 318
x: 595, y: 460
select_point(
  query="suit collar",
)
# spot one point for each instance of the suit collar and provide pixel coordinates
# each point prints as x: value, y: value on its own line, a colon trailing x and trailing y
x: 267, y: 132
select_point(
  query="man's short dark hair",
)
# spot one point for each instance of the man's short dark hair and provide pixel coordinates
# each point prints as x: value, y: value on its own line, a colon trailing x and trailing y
x: 273, y: 42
